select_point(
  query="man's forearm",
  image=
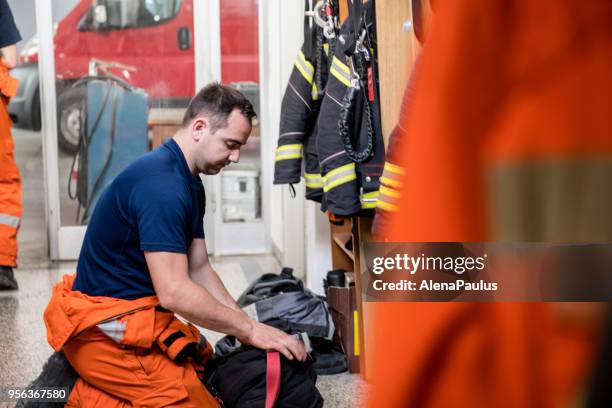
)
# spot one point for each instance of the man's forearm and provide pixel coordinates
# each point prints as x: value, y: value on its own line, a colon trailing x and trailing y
x: 193, y: 302
x: 208, y: 278
x: 198, y: 305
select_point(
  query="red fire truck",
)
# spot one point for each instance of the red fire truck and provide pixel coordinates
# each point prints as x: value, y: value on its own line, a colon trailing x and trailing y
x: 154, y: 37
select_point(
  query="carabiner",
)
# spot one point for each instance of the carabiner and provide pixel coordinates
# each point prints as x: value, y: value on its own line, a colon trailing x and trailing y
x: 355, y: 78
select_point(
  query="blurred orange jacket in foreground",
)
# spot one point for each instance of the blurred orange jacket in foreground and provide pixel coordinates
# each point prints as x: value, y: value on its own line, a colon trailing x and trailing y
x: 508, y: 137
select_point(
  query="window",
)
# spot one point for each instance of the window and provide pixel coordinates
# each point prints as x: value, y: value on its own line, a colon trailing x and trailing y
x: 130, y: 13
x: 162, y: 10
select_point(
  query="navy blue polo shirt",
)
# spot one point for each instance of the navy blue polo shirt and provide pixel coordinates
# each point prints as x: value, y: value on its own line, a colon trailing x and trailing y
x: 155, y: 204
x: 9, y: 34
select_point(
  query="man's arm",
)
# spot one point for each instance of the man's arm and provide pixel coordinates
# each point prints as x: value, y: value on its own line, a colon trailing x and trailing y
x: 9, y: 36
x: 177, y: 292
x: 202, y: 273
x: 9, y: 56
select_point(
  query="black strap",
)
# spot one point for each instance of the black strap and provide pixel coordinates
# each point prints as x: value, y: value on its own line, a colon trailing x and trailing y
x: 355, y: 13
x: 169, y: 341
x: 356, y: 17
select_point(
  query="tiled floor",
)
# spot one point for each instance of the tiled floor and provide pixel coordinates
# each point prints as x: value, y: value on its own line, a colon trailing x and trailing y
x: 23, y: 346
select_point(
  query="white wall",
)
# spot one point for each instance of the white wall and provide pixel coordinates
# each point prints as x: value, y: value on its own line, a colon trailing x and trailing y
x: 318, y: 252
x: 270, y: 89
x: 280, y: 33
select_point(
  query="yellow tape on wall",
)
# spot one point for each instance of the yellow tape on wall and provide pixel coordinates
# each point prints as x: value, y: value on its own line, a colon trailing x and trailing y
x: 356, y: 334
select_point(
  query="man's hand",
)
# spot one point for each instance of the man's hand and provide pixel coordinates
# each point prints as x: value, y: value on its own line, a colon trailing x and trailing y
x: 268, y: 338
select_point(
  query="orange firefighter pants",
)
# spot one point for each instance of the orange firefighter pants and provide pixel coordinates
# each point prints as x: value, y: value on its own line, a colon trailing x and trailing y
x: 113, y: 375
x: 10, y: 191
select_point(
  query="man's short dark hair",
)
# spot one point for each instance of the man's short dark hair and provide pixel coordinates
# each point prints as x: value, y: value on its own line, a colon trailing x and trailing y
x: 217, y: 102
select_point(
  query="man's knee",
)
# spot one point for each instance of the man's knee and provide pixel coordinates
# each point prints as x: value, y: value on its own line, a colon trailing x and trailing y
x: 86, y: 395
x: 143, y: 377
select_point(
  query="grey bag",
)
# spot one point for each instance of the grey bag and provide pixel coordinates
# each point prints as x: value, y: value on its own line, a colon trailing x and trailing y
x: 281, y: 301
x: 294, y: 312
x: 270, y: 284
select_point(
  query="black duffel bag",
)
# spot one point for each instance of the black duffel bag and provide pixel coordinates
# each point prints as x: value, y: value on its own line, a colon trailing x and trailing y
x: 245, y: 378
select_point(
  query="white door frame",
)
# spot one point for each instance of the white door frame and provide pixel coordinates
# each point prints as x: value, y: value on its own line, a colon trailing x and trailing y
x: 64, y: 241
x: 207, y: 43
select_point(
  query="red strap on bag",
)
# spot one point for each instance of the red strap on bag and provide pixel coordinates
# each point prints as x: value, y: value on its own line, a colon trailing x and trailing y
x: 370, y: 85
x: 273, y: 377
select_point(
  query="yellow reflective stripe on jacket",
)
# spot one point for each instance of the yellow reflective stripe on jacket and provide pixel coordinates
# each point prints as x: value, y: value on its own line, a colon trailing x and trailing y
x: 315, y: 92
x: 313, y: 180
x: 369, y: 200
x: 341, y: 71
x: 370, y: 196
x: 394, y: 168
x: 389, y: 192
x: 305, y: 67
x: 339, y: 176
x: 389, y: 181
x: 385, y: 205
x: 387, y: 200
x: 326, y: 48
x: 286, y: 152
x: 392, y: 175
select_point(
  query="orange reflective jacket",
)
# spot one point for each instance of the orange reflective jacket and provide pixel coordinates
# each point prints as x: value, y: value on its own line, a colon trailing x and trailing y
x: 508, y: 138
x: 10, y: 182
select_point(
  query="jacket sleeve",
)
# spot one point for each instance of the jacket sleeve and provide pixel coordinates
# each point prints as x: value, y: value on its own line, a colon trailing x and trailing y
x: 297, y: 111
x: 393, y: 172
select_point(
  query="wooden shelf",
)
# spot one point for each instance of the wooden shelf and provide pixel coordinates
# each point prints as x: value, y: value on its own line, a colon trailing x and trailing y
x: 341, y: 238
x: 356, y: 229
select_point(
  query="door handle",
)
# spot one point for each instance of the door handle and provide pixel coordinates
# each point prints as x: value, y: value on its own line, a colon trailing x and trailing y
x: 184, y: 38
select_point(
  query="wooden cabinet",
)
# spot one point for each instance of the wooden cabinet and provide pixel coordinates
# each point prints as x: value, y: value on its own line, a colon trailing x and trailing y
x: 354, y: 231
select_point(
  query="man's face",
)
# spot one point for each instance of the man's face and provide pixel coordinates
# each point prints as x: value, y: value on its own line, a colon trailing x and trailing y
x: 217, y: 149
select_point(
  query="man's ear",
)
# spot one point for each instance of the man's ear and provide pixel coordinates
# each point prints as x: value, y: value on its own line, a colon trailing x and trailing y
x: 199, y: 127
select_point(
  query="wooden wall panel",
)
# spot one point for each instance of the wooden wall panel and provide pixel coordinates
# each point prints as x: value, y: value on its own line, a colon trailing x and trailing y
x: 397, y: 48
x: 396, y: 53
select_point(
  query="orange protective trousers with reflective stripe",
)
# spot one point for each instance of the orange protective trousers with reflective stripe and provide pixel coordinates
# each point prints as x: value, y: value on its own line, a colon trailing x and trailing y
x: 135, y: 371
x: 116, y: 376
x: 10, y: 183
x: 504, y: 90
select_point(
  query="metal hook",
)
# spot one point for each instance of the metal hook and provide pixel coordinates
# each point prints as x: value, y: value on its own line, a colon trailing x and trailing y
x: 354, y: 74
x: 315, y: 14
x: 327, y: 26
